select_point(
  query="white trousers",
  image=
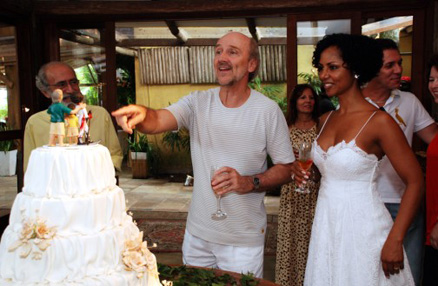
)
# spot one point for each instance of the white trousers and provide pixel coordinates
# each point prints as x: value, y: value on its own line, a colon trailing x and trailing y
x: 240, y: 259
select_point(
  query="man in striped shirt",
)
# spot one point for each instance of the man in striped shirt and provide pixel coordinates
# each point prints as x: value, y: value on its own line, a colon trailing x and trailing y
x: 235, y: 128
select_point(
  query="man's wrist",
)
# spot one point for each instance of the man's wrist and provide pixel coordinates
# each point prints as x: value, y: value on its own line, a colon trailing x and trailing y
x: 255, y: 183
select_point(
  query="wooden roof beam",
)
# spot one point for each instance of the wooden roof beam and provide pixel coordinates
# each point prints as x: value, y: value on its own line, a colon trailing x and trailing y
x: 180, y: 35
x: 73, y: 37
x: 252, y: 28
x: 132, y: 43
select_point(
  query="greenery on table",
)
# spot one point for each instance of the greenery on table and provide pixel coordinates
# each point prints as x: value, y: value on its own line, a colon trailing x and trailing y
x: 188, y: 276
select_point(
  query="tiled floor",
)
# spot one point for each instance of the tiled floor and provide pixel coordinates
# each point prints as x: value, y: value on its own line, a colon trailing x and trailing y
x: 151, y: 199
x: 161, y: 195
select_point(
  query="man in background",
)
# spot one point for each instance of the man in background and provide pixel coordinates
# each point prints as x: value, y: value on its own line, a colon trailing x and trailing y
x: 383, y: 92
x: 58, y: 75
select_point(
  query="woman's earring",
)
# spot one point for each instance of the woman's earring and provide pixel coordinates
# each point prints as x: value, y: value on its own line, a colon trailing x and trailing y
x: 356, y: 76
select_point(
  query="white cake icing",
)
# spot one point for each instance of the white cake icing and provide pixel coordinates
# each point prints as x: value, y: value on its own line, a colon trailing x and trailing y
x: 69, y: 172
x: 82, y: 215
x: 71, y: 193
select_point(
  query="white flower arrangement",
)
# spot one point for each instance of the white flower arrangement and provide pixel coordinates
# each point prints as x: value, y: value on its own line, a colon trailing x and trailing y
x: 34, y: 232
x: 137, y: 257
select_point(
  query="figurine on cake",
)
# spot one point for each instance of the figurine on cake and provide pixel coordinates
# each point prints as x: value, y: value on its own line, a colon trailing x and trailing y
x: 57, y: 111
x: 72, y: 124
x: 82, y: 115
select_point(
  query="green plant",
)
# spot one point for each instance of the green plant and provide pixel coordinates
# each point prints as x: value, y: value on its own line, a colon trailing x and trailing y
x: 139, y: 143
x: 188, y: 276
x: 89, y: 80
x: 125, y: 79
x: 313, y: 80
x: 177, y: 139
x: 3, y: 113
x: 274, y: 92
x: 6, y: 145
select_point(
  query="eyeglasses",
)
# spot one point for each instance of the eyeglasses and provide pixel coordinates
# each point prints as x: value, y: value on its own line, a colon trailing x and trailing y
x: 63, y: 84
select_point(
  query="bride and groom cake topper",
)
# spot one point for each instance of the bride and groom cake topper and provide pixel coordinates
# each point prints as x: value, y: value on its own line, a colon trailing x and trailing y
x: 62, y: 116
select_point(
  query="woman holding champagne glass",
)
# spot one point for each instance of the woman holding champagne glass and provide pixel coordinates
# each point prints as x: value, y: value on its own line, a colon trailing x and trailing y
x: 354, y: 240
x: 297, y: 208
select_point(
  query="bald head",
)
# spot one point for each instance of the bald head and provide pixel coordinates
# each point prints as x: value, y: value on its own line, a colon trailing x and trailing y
x: 55, y: 75
x: 252, y: 46
x: 236, y: 59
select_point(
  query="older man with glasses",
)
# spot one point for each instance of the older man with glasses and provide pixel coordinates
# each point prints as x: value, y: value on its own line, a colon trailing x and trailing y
x: 58, y: 75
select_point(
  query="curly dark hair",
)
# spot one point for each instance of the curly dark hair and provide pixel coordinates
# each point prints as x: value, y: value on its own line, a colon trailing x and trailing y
x: 433, y: 62
x: 292, y: 112
x: 361, y: 54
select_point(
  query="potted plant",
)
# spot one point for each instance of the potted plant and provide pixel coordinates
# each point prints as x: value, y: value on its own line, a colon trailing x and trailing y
x: 177, y: 139
x: 143, y: 155
x: 8, y: 156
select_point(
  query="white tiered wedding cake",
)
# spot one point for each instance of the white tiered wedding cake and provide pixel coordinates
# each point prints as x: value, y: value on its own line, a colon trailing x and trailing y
x: 69, y: 226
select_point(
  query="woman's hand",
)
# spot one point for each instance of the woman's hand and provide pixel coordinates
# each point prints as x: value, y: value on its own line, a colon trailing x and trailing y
x: 392, y: 257
x: 298, y: 175
x: 434, y: 236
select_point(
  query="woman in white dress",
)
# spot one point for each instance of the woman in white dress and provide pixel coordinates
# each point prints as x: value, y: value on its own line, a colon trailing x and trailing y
x: 354, y: 241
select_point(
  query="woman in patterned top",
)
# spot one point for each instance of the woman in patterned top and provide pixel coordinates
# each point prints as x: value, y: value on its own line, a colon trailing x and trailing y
x: 297, y: 209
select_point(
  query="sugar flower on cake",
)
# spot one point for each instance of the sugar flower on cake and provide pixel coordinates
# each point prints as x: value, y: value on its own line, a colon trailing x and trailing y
x: 137, y: 257
x: 35, y: 232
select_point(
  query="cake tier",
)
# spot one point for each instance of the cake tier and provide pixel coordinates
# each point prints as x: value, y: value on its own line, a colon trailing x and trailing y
x: 69, y: 171
x: 82, y: 215
x: 69, y: 259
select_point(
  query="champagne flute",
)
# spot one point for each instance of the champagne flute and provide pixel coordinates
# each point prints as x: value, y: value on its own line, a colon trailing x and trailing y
x: 219, y: 214
x: 305, y: 161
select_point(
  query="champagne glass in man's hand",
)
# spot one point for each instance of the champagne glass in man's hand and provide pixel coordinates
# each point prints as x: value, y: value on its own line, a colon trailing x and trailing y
x: 218, y: 214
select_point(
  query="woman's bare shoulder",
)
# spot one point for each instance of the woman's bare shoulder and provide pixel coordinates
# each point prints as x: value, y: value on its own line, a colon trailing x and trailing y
x: 385, y: 126
x: 323, y: 119
x: 382, y: 117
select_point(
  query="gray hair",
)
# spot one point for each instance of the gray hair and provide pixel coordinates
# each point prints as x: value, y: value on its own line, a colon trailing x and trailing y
x: 41, y: 78
x: 254, y: 54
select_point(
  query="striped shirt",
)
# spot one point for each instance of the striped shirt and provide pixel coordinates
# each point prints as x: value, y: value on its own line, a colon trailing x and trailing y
x: 240, y: 138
